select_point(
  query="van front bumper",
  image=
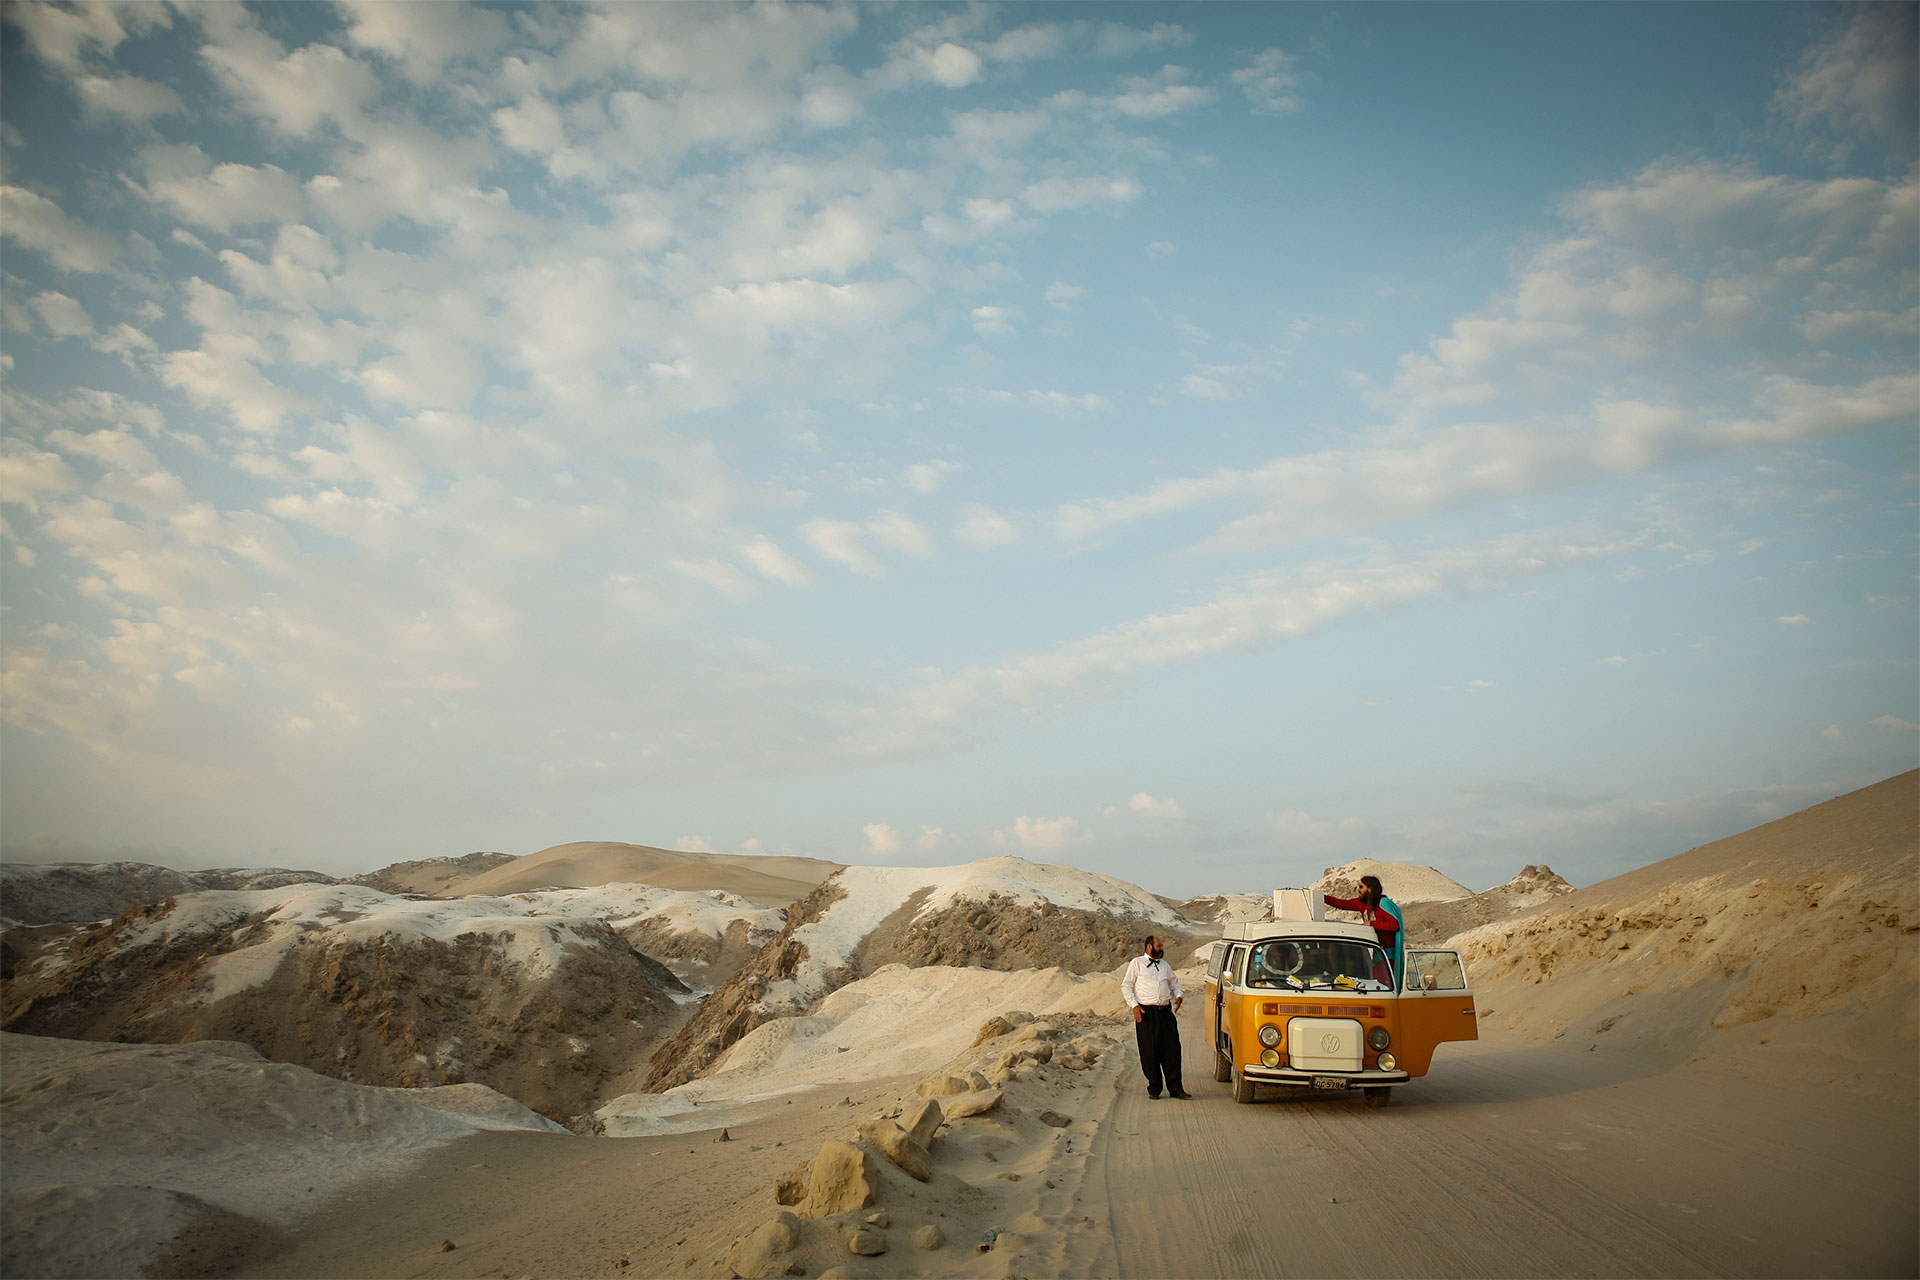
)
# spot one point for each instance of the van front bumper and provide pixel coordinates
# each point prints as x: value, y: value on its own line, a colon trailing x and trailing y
x: 1294, y: 1075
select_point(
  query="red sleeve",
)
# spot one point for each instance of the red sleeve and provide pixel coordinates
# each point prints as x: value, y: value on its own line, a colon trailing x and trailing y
x: 1345, y: 904
x: 1383, y: 922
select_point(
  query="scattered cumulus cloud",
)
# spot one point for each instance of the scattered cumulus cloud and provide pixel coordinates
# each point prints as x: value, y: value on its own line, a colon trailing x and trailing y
x: 1794, y: 620
x: 1148, y: 807
x: 882, y: 840
x: 1271, y: 82
x: 1046, y: 835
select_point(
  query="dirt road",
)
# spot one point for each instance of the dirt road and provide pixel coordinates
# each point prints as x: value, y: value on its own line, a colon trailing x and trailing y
x: 1511, y: 1158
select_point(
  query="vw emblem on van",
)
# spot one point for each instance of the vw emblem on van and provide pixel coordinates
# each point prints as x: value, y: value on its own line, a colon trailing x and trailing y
x: 1330, y: 1042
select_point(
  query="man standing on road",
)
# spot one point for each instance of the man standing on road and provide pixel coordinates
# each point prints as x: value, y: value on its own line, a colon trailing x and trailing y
x: 1154, y: 994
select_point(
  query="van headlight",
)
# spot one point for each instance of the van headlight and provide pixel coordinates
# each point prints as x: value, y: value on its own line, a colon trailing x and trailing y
x: 1387, y: 1061
x: 1379, y: 1039
x: 1269, y: 1057
x: 1270, y: 1035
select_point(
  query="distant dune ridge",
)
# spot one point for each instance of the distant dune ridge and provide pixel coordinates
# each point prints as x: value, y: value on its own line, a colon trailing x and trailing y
x: 769, y: 881
x: 432, y: 876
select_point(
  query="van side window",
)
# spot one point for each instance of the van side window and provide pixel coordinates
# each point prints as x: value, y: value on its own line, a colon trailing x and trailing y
x: 1234, y: 959
x: 1435, y: 971
x: 1217, y: 960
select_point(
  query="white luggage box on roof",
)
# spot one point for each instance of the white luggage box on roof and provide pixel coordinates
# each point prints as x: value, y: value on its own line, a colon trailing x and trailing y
x: 1298, y: 904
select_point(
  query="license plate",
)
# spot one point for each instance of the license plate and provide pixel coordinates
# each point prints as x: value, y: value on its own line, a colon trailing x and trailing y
x: 1329, y: 1082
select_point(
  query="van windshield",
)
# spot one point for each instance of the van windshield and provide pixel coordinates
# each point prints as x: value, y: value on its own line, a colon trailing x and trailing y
x: 1302, y: 964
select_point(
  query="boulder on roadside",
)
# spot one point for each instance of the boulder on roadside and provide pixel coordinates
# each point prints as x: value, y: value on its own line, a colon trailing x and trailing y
x: 942, y: 1086
x: 973, y: 1104
x: 992, y: 1029
x: 763, y: 1251
x: 923, y: 1120
x: 901, y: 1147
x: 838, y: 1180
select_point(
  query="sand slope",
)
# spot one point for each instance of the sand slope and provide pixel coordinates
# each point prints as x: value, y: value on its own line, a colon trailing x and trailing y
x: 433, y: 876
x: 1790, y: 948
x: 998, y: 913
x: 128, y: 1160
x: 766, y: 881
x: 1432, y: 923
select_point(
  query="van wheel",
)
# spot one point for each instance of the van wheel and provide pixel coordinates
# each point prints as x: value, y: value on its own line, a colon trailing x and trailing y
x: 1379, y: 1097
x: 1242, y: 1087
x: 1222, y: 1066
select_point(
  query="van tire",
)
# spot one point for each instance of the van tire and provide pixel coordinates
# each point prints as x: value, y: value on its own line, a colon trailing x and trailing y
x: 1222, y: 1066
x: 1379, y: 1097
x: 1242, y: 1087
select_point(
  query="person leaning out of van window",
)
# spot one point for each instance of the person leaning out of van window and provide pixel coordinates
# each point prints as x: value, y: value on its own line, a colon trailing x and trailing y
x: 1383, y: 914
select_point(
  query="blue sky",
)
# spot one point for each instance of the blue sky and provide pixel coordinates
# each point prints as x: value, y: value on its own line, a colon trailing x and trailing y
x: 1198, y: 443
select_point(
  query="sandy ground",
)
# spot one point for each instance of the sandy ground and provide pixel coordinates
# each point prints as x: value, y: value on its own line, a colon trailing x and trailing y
x: 1513, y: 1158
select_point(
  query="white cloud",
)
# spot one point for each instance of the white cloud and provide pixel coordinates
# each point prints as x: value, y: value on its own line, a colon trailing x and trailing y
x: 294, y: 92
x: 766, y: 558
x: 34, y: 222
x: 1271, y: 82
x: 64, y: 36
x: 1895, y: 724
x: 63, y: 317
x: 1794, y: 619
x: 1048, y: 834
x: 1063, y: 296
x: 992, y: 322
x: 28, y: 474
x: 1148, y: 807
x: 424, y: 37
x: 693, y: 844
x: 840, y: 542
x: 231, y: 195
x: 1162, y: 94
x: 1834, y: 733
x: 952, y: 65
x: 882, y: 840
x: 847, y: 543
x: 927, y: 477
x: 1861, y: 83
x: 126, y: 98
x: 1052, y: 195
x: 985, y: 529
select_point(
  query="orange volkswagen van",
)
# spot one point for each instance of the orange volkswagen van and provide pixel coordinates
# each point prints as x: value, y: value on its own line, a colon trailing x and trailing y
x: 1301, y: 1002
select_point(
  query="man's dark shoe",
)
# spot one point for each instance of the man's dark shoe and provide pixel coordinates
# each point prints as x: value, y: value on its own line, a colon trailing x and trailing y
x: 1179, y: 1093
x: 1154, y: 1094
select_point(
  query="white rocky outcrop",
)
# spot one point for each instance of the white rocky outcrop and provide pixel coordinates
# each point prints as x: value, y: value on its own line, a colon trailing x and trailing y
x: 528, y: 997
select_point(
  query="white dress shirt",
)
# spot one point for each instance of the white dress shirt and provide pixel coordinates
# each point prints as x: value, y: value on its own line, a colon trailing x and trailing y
x: 1149, y: 981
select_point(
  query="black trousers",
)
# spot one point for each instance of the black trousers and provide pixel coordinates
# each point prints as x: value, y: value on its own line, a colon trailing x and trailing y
x: 1158, y: 1035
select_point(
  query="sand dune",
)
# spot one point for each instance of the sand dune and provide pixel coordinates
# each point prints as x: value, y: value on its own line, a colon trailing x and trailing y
x: 1789, y: 948
x: 766, y: 881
